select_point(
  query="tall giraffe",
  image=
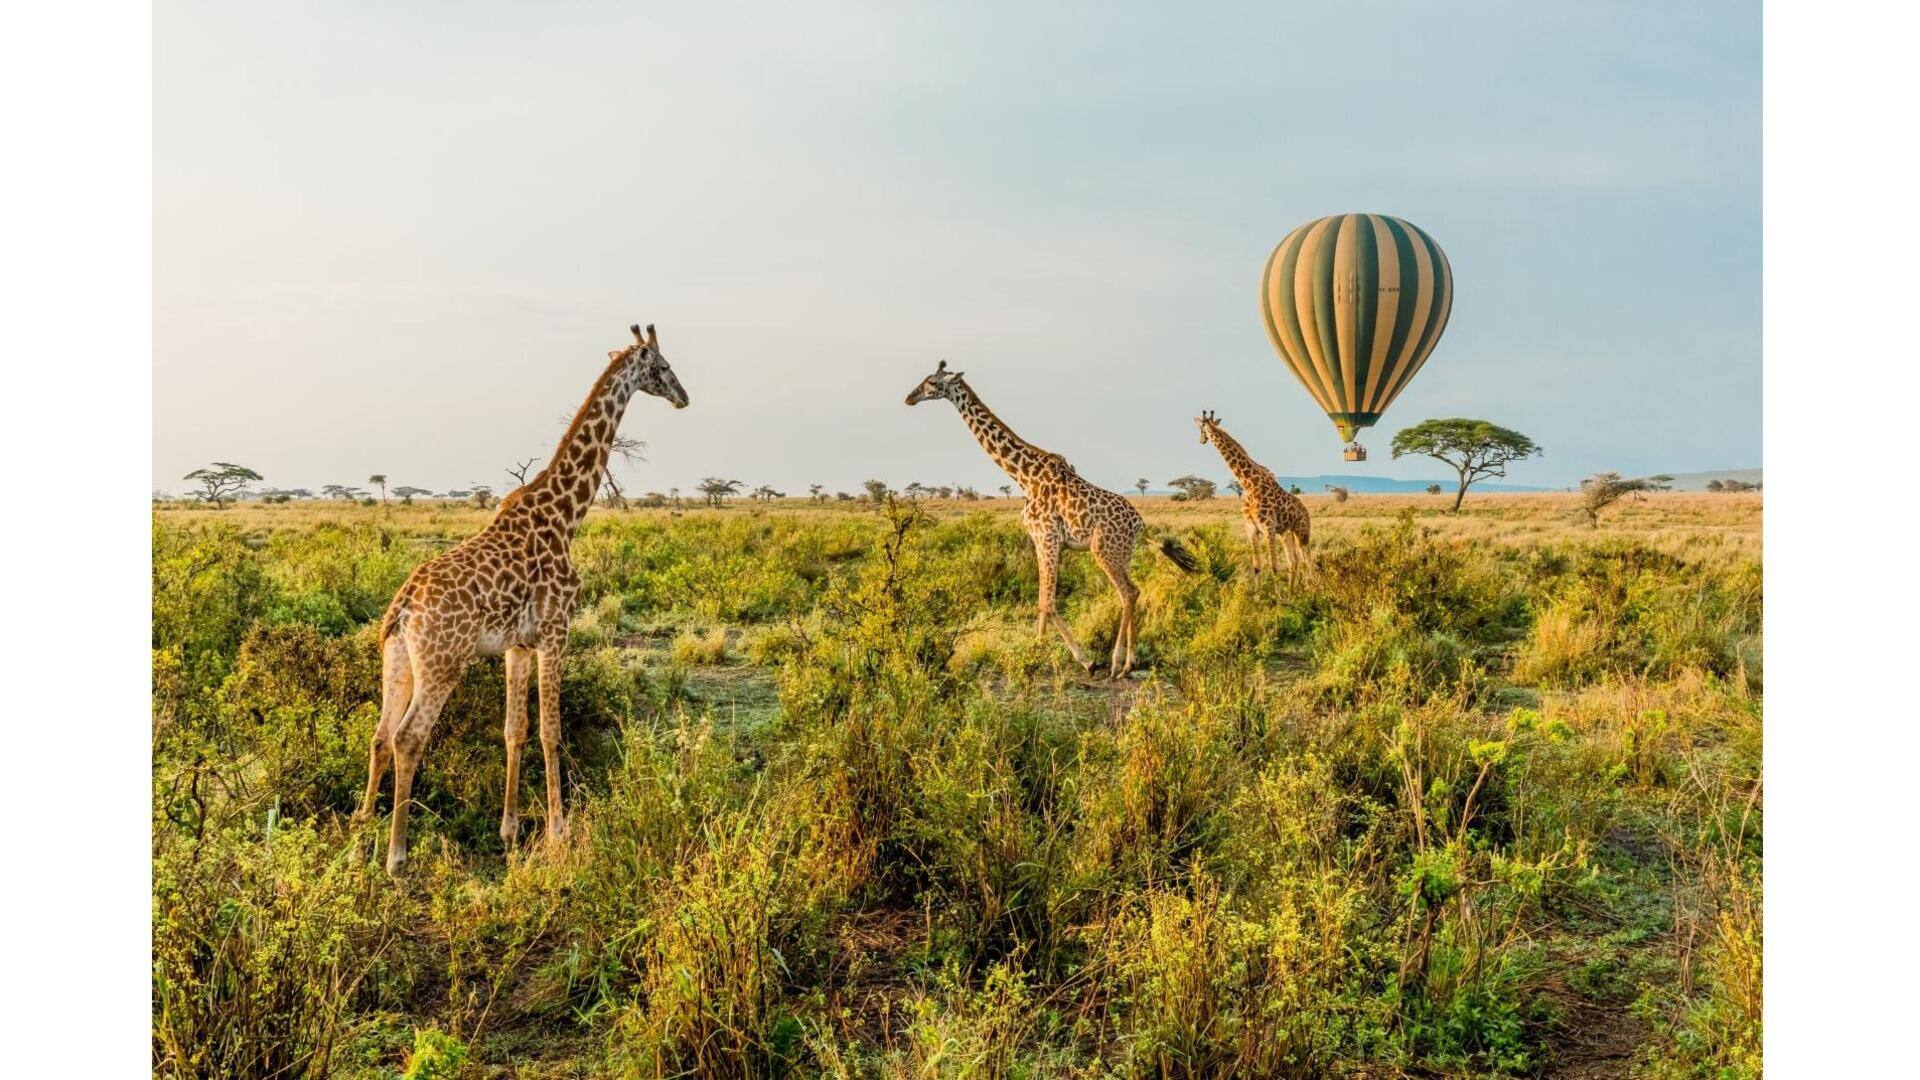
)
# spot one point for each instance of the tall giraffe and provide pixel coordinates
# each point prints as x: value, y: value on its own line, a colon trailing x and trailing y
x: 1275, y: 516
x: 1063, y: 511
x: 507, y: 590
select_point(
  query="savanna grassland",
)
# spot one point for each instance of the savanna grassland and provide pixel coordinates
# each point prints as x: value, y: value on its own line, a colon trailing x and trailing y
x: 1483, y: 798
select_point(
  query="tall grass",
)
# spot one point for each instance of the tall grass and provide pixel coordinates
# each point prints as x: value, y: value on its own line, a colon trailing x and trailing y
x: 837, y: 811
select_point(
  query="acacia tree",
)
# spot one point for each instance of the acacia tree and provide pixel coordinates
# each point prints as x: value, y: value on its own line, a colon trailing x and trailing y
x: 518, y: 470
x: 1234, y: 486
x: 1006, y: 491
x: 1338, y: 492
x: 1601, y: 490
x: 221, y: 481
x: 1141, y: 485
x: 1192, y: 488
x: 629, y: 450
x: 717, y: 489
x: 1475, y: 448
x: 409, y: 493
x: 1433, y: 489
x: 379, y: 480
x: 815, y: 491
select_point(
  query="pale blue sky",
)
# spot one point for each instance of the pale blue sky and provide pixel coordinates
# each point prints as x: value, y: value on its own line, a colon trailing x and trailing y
x: 401, y: 238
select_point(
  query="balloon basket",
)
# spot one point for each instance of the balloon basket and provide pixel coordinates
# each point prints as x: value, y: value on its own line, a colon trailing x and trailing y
x: 1354, y: 452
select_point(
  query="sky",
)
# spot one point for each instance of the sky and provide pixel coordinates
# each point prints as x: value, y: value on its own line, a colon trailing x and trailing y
x: 401, y: 239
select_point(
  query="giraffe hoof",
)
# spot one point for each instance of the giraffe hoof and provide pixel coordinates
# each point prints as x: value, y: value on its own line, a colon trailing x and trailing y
x: 510, y: 832
x: 397, y: 865
x: 1092, y: 668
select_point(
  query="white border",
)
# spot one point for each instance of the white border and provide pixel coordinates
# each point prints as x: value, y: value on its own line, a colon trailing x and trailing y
x: 76, y: 420
x: 1841, y: 709
x: 75, y: 200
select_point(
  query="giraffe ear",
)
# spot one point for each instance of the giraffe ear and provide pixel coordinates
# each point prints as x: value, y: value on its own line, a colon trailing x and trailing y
x: 615, y: 354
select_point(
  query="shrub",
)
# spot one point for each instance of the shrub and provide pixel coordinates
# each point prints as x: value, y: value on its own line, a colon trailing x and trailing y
x: 691, y: 649
x: 266, y: 944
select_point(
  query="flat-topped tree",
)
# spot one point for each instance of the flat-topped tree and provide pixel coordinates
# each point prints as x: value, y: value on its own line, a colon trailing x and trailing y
x: 1601, y: 490
x: 1476, y: 449
x: 1062, y: 511
x: 222, y: 481
x: 716, y: 489
x: 508, y: 590
x: 1192, y: 488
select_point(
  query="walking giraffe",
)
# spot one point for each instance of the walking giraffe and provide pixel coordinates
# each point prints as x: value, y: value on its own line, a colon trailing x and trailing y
x: 507, y: 590
x: 1275, y: 516
x: 1062, y: 511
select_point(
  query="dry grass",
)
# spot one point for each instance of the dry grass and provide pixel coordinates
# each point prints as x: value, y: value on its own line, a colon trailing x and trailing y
x: 1698, y: 525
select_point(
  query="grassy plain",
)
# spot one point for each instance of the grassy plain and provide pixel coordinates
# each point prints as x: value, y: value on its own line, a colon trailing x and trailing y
x: 1484, y: 798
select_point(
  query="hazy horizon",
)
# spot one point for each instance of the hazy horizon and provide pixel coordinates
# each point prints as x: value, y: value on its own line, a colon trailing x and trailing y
x: 391, y: 241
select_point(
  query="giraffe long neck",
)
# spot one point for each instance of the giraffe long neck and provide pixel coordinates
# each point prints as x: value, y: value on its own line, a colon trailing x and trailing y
x: 1239, y: 462
x: 578, y: 463
x: 1020, y: 458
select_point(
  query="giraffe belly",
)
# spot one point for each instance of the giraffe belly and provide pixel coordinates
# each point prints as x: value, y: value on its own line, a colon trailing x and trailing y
x: 497, y: 639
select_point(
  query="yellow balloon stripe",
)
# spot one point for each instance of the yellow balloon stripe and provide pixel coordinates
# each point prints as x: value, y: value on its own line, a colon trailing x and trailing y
x: 1388, y: 310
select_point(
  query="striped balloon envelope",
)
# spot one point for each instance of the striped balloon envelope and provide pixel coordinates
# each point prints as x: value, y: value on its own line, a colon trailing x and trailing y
x: 1354, y: 304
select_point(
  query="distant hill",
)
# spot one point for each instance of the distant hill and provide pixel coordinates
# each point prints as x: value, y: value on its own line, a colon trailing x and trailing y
x: 1697, y: 481
x: 1381, y: 485
x: 1378, y: 485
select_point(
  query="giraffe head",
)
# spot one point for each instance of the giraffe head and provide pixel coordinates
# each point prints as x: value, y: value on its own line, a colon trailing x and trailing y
x: 941, y: 384
x: 649, y: 369
x: 1209, y: 424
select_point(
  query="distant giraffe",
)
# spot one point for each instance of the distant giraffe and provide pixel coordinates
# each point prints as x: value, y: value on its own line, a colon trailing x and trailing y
x: 1062, y: 511
x: 1274, y: 515
x: 507, y: 590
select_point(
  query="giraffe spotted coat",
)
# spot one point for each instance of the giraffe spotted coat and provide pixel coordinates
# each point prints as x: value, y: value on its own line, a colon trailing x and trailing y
x: 1275, y: 517
x: 1063, y: 511
x: 506, y: 591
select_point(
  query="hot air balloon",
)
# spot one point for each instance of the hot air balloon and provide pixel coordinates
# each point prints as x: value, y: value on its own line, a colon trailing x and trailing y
x: 1354, y: 304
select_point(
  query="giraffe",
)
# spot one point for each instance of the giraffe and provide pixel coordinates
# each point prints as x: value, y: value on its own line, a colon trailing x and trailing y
x: 1275, y: 516
x: 1062, y: 511
x: 508, y: 590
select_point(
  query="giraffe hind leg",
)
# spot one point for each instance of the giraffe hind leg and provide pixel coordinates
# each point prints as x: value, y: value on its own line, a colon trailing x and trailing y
x: 396, y: 694
x: 1113, y: 555
x: 431, y: 691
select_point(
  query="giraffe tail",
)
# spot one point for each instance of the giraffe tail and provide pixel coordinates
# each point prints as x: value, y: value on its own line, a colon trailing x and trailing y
x: 1178, y: 555
x: 391, y: 620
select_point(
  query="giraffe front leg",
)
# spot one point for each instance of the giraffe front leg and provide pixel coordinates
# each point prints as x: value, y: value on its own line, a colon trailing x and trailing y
x: 1046, y: 548
x: 519, y: 665
x: 549, y: 660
